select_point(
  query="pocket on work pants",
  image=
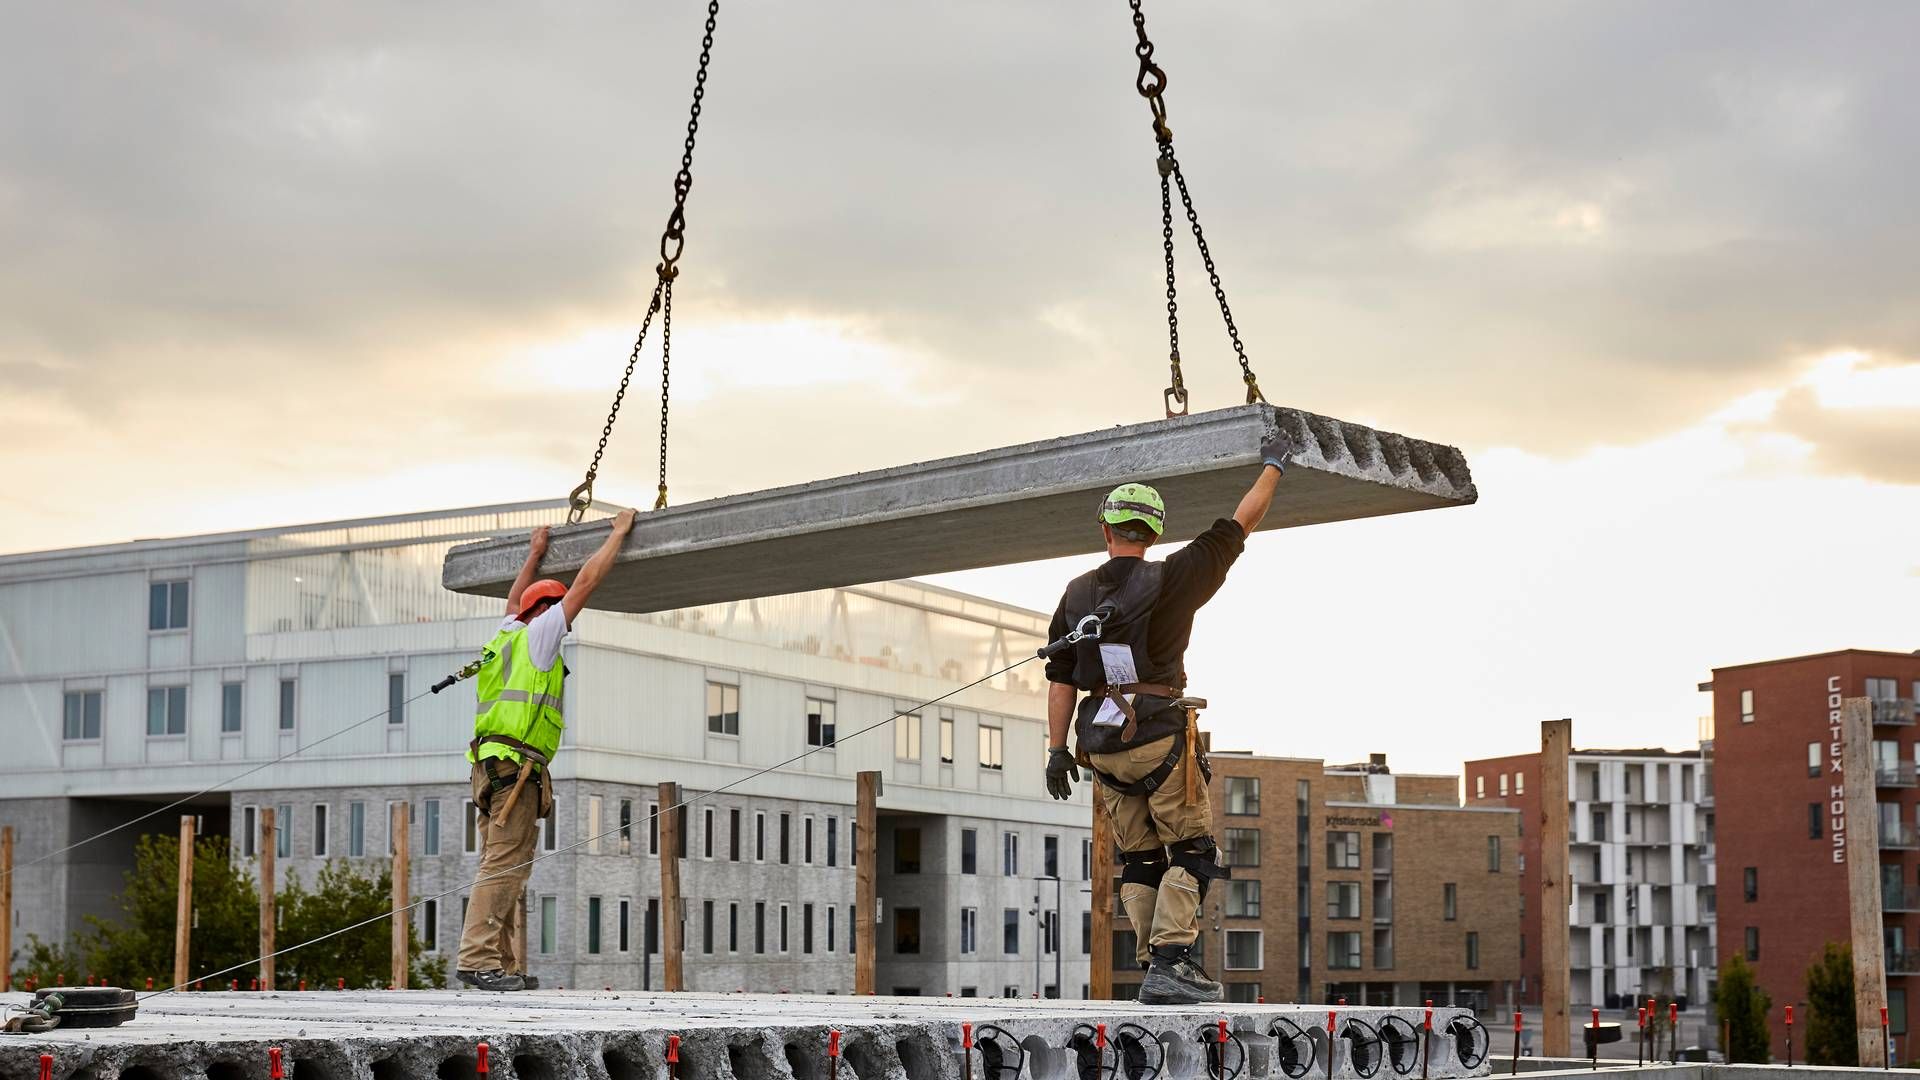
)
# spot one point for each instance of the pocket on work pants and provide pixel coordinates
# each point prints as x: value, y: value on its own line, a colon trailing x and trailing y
x: 482, y: 786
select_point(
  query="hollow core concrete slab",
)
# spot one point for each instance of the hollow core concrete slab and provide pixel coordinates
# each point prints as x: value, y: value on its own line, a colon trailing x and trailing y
x: 1017, y: 504
x: 434, y: 1035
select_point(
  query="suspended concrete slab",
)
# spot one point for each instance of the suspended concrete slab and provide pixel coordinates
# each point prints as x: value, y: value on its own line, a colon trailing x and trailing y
x: 1018, y: 504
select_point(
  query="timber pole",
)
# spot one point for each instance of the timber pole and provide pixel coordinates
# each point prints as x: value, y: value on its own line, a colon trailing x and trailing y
x: 1556, y: 742
x: 6, y: 909
x: 1862, y: 853
x: 866, y: 898
x: 183, y: 909
x: 402, y: 904
x: 269, y: 839
x: 672, y: 928
x: 1100, y: 978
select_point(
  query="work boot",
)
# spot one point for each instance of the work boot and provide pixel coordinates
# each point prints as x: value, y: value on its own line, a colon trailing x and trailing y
x: 1176, y: 978
x: 492, y: 980
x: 528, y: 982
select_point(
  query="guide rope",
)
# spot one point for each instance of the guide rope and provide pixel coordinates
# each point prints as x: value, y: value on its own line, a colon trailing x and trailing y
x: 673, y: 241
x: 683, y: 803
x: 1151, y: 82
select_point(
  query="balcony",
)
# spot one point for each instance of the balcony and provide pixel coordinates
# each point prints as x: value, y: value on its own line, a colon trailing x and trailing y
x: 1893, y: 712
x: 1898, y: 837
x: 1903, y: 962
x: 1898, y: 774
x: 1898, y: 898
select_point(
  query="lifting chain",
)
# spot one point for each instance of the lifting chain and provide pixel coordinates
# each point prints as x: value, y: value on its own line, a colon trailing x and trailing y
x: 1151, y: 82
x: 673, y: 241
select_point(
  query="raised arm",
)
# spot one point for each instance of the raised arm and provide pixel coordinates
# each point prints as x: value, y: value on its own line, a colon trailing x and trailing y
x: 536, y: 550
x: 1254, y: 505
x: 595, y: 569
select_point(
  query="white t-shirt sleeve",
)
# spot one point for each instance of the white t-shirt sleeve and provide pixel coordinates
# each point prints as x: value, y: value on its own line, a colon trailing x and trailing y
x: 544, y: 635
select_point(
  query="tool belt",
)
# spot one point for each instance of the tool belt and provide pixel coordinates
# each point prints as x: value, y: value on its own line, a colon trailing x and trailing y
x: 1152, y: 782
x: 1118, y: 695
x: 526, y: 752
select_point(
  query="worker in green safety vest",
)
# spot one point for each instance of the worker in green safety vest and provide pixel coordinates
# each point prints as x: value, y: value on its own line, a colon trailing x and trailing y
x: 521, y: 687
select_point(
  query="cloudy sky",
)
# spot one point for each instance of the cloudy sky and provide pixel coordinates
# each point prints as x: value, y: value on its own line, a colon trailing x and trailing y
x: 1654, y: 266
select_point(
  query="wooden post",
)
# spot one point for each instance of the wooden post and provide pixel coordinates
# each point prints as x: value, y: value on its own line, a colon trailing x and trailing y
x: 672, y: 948
x: 1863, y: 874
x: 6, y: 909
x: 402, y: 915
x: 866, y: 887
x: 1100, y: 975
x: 269, y: 839
x: 183, y: 910
x: 1556, y: 742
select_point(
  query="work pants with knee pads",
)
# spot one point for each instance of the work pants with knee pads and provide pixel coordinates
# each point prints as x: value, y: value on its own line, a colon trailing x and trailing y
x: 1160, y: 896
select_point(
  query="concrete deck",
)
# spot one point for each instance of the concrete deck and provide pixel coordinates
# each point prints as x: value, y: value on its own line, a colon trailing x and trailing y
x: 1017, y: 504
x: 432, y: 1035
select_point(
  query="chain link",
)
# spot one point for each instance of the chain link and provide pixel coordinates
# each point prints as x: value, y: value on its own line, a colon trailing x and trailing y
x: 673, y: 240
x: 1151, y: 82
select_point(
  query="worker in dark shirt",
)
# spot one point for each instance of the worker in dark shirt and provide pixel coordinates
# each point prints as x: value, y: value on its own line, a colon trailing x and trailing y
x: 1136, y: 727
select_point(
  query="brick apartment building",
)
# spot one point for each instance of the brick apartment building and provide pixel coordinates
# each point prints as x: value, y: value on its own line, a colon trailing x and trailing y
x: 1354, y: 882
x: 1784, y: 820
x: 1642, y: 911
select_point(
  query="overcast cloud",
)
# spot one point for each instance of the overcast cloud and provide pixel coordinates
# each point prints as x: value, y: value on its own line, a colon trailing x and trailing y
x: 326, y: 260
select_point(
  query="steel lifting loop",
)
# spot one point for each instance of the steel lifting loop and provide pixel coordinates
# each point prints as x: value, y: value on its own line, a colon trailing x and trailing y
x: 660, y: 500
x: 1403, y: 1044
x: 1216, y: 1038
x: 1094, y: 1055
x: 1288, y: 1038
x: 581, y: 499
x: 1132, y: 1041
x: 1254, y: 396
x: 1152, y: 81
x: 993, y: 1059
x: 1176, y: 394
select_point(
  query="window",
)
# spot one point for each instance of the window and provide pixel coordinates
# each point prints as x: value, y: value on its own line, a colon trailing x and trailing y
x: 786, y: 836
x: 783, y: 928
x: 1243, y: 951
x: 650, y: 922
x: 733, y: 927
x: 1753, y: 944
x: 906, y: 738
x: 1010, y: 854
x: 706, y: 832
x: 1603, y: 907
x: 167, y: 605
x: 1383, y: 947
x: 833, y: 841
x: 653, y: 828
x: 1896, y: 1011
x: 550, y: 832
x: 1449, y: 901
x: 990, y: 747
x: 706, y: 926
x: 283, y: 831
x: 969, y: 851
x: 1746, y: 706
x: 1241, y: 847
x: 906, y: 930
x: 946, y: 740
x: 1598, y: 821
x: 1750, y: 883
x: 288, y: 695
x: 1243, y: 794
x: 320, y: 830
x: 760, y: 926
x: 1343, y: 851
x: 1479, y: 787
x: 1493, y: 854
x: 166, y: 710
x: 820, y: 722
x: 430, y: 829
x: 1086, y: 933
x: 723, y: 709
x: 806, y: 928
x: 759, y: 836
x: 621, y: 925
x: 1050, y: 856
x: 1343, y: 899
x: 733, y: 834
x: 1010, y: 931
x: 229, y: 708
x: 430, y: 925
x: 1383, y: 852
x: 549, y: 924
x: 1503, y: 785
x: 1473, y: 950
x: 852, y: 938
x: 356, y: 829
x: 1883, y: 689
x: 1813, y: 759
x: 1086, y: 859
x: 626, y: 826
x: 1814, y: 815
x: 830, y: 911
x: 82, y: 715
x: 1343, y: 950
x: 1243, y: 899
x: 593, y: 824
x: 249, y: 832
x: 906, y: 851
x: 1519, y: 783
x: 806, y: 841
x: 593, y: 926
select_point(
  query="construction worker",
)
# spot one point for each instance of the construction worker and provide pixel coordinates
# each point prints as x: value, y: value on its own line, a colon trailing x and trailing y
x: 516, y: 731
x: 1135, y: 728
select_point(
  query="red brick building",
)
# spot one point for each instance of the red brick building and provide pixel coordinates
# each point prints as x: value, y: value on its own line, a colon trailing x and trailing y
x: 1783, y: 820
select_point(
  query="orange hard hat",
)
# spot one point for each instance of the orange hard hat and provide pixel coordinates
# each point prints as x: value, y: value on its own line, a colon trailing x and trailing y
x: 545, y: 589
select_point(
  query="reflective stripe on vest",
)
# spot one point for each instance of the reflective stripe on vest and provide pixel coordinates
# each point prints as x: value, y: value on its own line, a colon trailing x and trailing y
x: 517, y: 700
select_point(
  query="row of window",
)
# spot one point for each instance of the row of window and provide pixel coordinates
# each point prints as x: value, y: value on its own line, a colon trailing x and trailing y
x: 906, y: 853
x: 906, y: 931
x: 1519, y: 785
x: 1241, y: 847
x: 320, y: 834
x: 723, y: 718
x: 726, y: 836
x: 167, y: 708
x: 1343, y: 950
x: 1877, y: 689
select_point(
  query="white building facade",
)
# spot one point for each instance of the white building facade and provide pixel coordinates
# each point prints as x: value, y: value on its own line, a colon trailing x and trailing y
x: 135, y: 674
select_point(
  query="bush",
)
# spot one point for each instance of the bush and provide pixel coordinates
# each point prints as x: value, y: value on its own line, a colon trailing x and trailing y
x: 1742, y: 1006
x: 1832, y: 1037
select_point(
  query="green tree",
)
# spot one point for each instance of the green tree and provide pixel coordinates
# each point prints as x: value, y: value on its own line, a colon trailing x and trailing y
x: 1831, y: 1029
x: 43, y: 964
x: 341, y: 897
x: 1743, y: 1006
x: 139, y: 944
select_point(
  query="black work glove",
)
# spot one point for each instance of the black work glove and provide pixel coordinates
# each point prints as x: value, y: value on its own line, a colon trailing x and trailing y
x: 1059, y: 767
x: 1278, y: 449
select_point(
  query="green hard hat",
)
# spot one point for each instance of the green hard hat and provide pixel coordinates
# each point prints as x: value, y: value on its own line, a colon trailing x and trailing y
x: 1135, y: 502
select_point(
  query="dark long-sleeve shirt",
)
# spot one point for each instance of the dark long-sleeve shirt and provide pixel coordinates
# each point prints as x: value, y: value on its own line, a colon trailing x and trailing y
x: 1191, y: 577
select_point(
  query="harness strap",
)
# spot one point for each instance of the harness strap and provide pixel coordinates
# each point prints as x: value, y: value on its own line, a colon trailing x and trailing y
x: 510, y: 743
x: 1118, y: 695
x: 1151, y: 782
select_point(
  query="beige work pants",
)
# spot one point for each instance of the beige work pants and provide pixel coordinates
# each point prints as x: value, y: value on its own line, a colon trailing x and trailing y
x: 486, y: 942
x: 1151, y: 822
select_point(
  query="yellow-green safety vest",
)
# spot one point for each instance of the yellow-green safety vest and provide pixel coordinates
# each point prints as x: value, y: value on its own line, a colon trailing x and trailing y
x: 517, y: 700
